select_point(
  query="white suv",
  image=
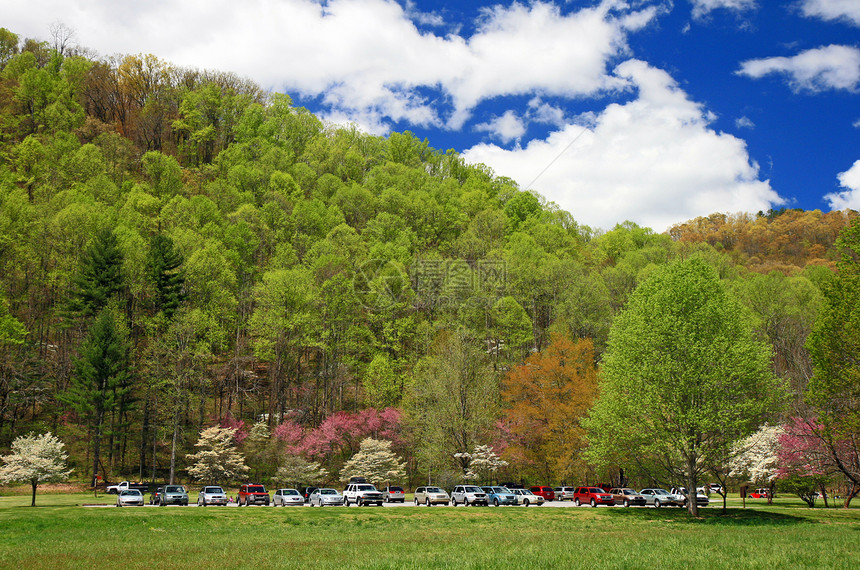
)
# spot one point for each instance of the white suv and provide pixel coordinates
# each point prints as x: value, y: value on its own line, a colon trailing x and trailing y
x: 469, y: 495
x: 361, y: 494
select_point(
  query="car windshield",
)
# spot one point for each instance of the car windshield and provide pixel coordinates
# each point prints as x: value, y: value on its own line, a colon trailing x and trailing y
x: 328, y: 492
x: 366, y: 488
x: 595, y: 490
x: 175, y: 489
x: 628, y: 491
x: 256, y: 489
x: 473, y: 490
x: 660, y: 492
x: 213, y: 490
x: 291, y: 492
x: 395, y: 489
x: 433, y: 490
x: 131, y: 492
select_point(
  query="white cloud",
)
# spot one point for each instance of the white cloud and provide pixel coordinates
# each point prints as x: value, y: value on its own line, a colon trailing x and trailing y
x: 364, y: 57
x: 829, y: 67
x: 850, y: 197
x: 702, y: 8
x: 654, y: 160
x: 506, y: 128
x: 848, y: 10
x: 542, y: 112
x: 744, y: 123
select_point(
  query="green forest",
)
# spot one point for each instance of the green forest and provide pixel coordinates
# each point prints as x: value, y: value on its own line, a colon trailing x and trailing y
x: 181, y: 249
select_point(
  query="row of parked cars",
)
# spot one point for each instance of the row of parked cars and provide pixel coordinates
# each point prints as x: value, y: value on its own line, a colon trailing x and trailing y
x: 361, y: 493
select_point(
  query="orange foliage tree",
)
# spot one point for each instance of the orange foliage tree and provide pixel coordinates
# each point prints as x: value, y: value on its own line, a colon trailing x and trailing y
x: 544, y: 399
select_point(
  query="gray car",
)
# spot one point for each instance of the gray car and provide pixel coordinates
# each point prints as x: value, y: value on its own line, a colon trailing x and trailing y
x: 173, y: 495
x: 431, y: 496
x: 288, y: 497
x: 211, y: 495
x: 326, y: 498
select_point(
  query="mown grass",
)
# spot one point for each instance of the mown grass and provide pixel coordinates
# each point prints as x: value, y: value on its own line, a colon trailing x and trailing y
x: 60, y: 534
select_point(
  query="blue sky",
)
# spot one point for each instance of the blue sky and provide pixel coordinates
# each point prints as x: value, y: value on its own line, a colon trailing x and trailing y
x: 650, y: 111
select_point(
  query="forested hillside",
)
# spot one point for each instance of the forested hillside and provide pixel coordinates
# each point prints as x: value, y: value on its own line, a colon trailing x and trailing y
x: 180, y: 249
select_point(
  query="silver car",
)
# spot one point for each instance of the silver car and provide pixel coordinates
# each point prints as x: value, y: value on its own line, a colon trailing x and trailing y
x: 129, y: 498
x: 326, y: 497
x: 288, y: 497
x: 526, y: 497
x: 211, y: 496
x: 431, y: 496
x: 661, y: 498
x: 564, y: 493
x: 469, y: 495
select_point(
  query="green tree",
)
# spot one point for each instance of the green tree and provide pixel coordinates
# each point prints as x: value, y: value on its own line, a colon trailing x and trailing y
x: 834, y: 345
x: 99, y: 277
x: 683, y: 377
x: 100, y: 385
x: 296, y: 470
x: 165, y: 273
x: 35, y: 459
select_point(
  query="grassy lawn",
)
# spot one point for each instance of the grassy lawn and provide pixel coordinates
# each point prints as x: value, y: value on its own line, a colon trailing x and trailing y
x: 58, y: 533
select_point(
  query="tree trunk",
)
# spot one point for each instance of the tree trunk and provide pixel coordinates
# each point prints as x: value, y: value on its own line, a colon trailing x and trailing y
x: 855, y: 488
x: 692, y: 505
x: 34, y: 483
x: 173, y: 445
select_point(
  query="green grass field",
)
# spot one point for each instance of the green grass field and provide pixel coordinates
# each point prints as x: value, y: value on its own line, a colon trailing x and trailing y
x: 59, y: 533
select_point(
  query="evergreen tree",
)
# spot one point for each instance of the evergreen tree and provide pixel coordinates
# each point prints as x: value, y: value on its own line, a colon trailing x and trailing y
x: 99, y: 276
x: 100, y: 385
x: 165, y: 273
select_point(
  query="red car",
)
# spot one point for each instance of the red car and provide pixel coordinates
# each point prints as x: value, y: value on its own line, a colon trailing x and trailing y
x: 542, y: 490
x: 593, y: 496
x: 253, y: 495
x: 760, y: 494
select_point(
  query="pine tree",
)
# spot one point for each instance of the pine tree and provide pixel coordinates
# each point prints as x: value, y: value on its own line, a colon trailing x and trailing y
x: 99, y: 277
x: 165, y: 274
x: 100, y: 384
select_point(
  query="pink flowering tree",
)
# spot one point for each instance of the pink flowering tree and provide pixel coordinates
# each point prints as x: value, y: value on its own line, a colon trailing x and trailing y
x: 805, y: 464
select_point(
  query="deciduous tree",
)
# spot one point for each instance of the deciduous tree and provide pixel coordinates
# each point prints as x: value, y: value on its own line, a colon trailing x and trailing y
x: 35, y: 459
x: 683, y: 377
x: 375, y: 462
x: 217, y: 459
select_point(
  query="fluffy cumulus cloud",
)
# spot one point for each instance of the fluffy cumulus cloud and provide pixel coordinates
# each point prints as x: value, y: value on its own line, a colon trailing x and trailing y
x: 850, y: 197
x: 507, y: 128
x: 702, y: 8
x: 654, y: 160
x: 846, y: 10
x: 366, y: 58
x: 829, y: 67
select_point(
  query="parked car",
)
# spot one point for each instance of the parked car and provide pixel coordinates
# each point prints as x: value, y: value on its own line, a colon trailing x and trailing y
x: 500, y: 496
x: 564, y: 493
x: 760, y: 493
x: 155, y: 496
x: 716, y: 488
x: 129, y: 498
x: 211, y: 496
x: 546, y: 492
x: 627, y: 497
x: 661, y: 498
x: 394, y: 494
x: 592, y: 496
x: 431, y: 496
x: 469, y: 495
x: 326, y: 497
x: 253, y: 495
x: 526, y: 497
x: 701, y: 498
x: 288, y: 497
x: 307, y: 492
x: 362, y: 494
x: 173, y: 495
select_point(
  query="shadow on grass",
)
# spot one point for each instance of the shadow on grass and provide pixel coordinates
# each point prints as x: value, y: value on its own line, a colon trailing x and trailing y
x: 732, y: 517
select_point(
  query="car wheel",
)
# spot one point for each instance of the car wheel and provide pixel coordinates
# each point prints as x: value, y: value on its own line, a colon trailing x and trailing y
x: 427, y: 501
x: 576, y: 501
x: 656, y: 503
x: 525, y: 502
x: 495, y: 502
x: 593, y: 503
x: 358, y: 502
x: 626, y: 503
